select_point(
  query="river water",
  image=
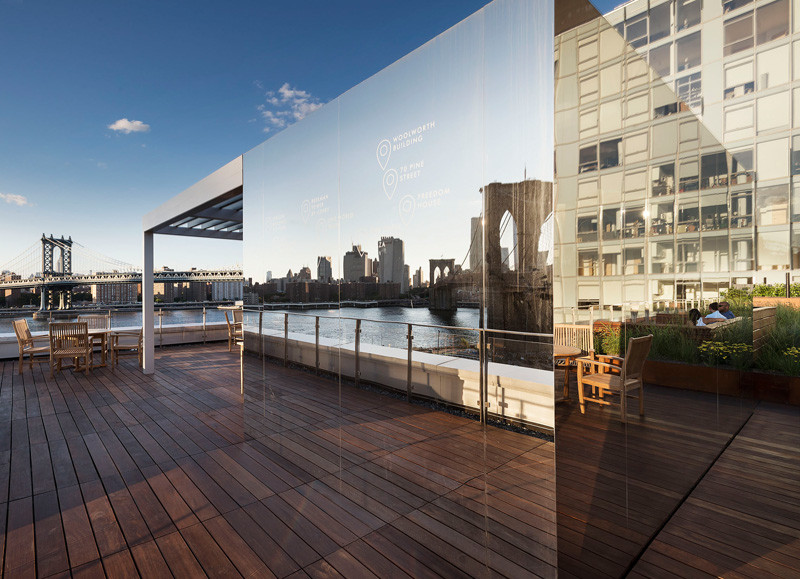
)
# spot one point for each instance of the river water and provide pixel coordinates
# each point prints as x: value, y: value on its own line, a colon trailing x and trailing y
x: 333, y: 324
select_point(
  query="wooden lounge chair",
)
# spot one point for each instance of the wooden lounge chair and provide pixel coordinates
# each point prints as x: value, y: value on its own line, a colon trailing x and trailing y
x: 125, y: 341
x: 70, y: 340
x: 607, y: 378
x: 235, y: 328
x: 27, y: 344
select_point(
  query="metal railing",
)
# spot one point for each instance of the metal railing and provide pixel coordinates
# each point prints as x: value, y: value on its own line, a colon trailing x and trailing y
x: 488, y: 342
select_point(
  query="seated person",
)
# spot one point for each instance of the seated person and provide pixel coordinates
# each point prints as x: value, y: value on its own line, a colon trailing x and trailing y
x: 725, y: 310
x: 696, y: 318
x: 714, y: 317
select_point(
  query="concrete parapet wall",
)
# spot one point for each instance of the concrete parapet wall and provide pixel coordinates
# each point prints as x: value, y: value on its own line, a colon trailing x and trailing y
x: 516, y: 393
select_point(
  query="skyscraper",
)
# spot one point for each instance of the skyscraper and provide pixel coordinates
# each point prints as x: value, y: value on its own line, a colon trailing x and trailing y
x: 356, y: 264
x: 324, y: 269
x: 391, y: 262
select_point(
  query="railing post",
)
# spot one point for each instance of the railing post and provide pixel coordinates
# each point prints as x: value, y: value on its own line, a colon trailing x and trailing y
x: 204, y: 325
x: 358, y: 348
x: 410, y: 337
x: 285, y: 340
x: 160, y: 328
x: 316, y: 342
x: 260, y: 333
x: 481, y: 366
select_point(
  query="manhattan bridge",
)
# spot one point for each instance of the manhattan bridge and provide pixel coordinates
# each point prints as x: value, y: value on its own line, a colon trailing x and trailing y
x: 55, y: 266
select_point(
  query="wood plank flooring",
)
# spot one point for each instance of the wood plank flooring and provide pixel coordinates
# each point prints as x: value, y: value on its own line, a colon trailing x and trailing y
x: 120, y: 474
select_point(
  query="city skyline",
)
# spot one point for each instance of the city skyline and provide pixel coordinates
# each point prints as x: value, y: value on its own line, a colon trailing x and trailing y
x: 135, y: 121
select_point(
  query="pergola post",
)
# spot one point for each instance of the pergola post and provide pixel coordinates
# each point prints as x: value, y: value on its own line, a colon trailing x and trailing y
x: 148, y: 305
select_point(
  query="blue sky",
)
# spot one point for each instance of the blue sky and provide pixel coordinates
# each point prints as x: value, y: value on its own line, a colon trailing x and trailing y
x: 197, y: 74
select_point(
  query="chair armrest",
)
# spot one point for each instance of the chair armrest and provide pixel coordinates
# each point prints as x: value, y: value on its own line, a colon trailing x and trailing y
x: 596, y: 363
x: 609, y: 357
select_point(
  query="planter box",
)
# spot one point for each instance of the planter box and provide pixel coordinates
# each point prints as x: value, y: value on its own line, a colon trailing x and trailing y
x: 759, y: 302
x: 724, y: 381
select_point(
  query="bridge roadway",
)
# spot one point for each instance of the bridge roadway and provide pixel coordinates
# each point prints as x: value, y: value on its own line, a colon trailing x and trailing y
x: 129, y: 277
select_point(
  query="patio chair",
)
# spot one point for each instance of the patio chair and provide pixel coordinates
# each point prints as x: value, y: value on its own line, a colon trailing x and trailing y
x: 70, y: 340
x: 235, y: 328
x: 27, y: 344
x: 579, y: 336
x: 125, y: 341
x: 622, y: 378
x: 98, y: 322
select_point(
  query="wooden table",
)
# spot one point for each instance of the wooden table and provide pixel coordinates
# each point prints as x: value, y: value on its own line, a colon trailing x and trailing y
x: 103, y: 336
x: 566, y: 353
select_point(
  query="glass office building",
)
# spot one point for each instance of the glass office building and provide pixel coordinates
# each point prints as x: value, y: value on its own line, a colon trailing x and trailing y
x: 678, y: 179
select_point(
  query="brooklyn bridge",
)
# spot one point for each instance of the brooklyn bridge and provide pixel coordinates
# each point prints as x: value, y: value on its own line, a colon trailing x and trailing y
x: 56, y: 266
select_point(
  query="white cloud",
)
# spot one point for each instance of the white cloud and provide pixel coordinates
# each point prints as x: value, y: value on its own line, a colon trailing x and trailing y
x: 125, y: 126
x: 285, y: 106
x: 14, y: 199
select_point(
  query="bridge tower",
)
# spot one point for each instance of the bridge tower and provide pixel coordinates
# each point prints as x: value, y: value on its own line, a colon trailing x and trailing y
x: 440, y: 294
x: 56, y: 262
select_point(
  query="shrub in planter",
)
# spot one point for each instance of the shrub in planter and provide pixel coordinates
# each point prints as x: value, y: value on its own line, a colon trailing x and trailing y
x: 733, y: 354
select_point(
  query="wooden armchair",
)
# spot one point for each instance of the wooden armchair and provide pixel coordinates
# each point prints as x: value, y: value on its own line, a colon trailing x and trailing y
x: 235, y: 327
x: 579, y: 336
x: 27, y: 344
x: 98, y: 322
x: 126, y: 341
x: 623, y: 378
x: 70, y: 340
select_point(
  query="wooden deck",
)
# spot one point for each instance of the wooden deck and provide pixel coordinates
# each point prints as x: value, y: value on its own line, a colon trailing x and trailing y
x: 120, y: 474
x: 703, y: 486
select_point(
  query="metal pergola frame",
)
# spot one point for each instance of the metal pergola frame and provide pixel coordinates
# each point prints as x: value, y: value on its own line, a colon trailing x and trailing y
x: 211, y: 208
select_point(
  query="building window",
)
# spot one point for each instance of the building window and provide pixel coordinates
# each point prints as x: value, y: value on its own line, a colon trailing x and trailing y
x: 773, y: 67
x: 713, y: 170
x: 688, y: 256
x: 714, y: 212
x: 587, y: 159
x: 772, y: 205
x: 611, y: 265
x: 688, y: 179
x: 741, y: 208
x: 610, y: 153
x: 662, y: 257
x: 587, y: 263
x: 634, y: 222
x: 773, y: 250
x: 738, y: 34
x: 663, y: 179
x: 688, y: 217
x: 689, y: 90
x: 772, y: 21
x: 741, y: 254
x: 715, y: 254
x: 688, y: 14
x: 796, y: 155
x: 660, y: 60
x: 612, y: 223
x: 796, y: 203
x: 662, y: 219
x: 689, y: 51
x: 660, y: 21
x: 739, y: 80
x: 742, y: 167
x: 587, y: 228
x: 773, y: 112
x: 773, y: 159
x: 634, y: 260
x: 730, y: 5
x: 636, y: 30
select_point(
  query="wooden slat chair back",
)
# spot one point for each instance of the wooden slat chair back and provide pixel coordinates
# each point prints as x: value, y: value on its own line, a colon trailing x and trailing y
x: 622, y: 376
x: 70, y: 340
x: 27, y: 344
x: 576, y: 335
x: 96, y: 322
x: 235, y: 327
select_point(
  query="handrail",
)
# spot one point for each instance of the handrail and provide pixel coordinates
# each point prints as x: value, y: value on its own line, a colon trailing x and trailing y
x: 402, y: 323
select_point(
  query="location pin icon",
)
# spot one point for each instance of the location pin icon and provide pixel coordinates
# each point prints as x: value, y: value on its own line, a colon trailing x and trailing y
x: 384, y: 152
x: 305, y: 210
x: 390, y: 183
x: 407, y: 207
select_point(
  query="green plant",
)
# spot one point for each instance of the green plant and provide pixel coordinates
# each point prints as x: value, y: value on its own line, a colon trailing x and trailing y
x: 718, y: 353
x: 609, y: 340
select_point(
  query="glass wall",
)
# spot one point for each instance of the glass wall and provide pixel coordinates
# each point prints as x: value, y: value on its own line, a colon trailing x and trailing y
x: 399, y: 336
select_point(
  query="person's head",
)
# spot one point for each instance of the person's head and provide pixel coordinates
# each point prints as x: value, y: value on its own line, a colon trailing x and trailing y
x: 724, y: 307
x: 713, y: 306
x: 694, y: 315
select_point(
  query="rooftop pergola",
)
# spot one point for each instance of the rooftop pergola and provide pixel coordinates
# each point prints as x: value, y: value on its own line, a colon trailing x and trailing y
x: 211, y: 208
